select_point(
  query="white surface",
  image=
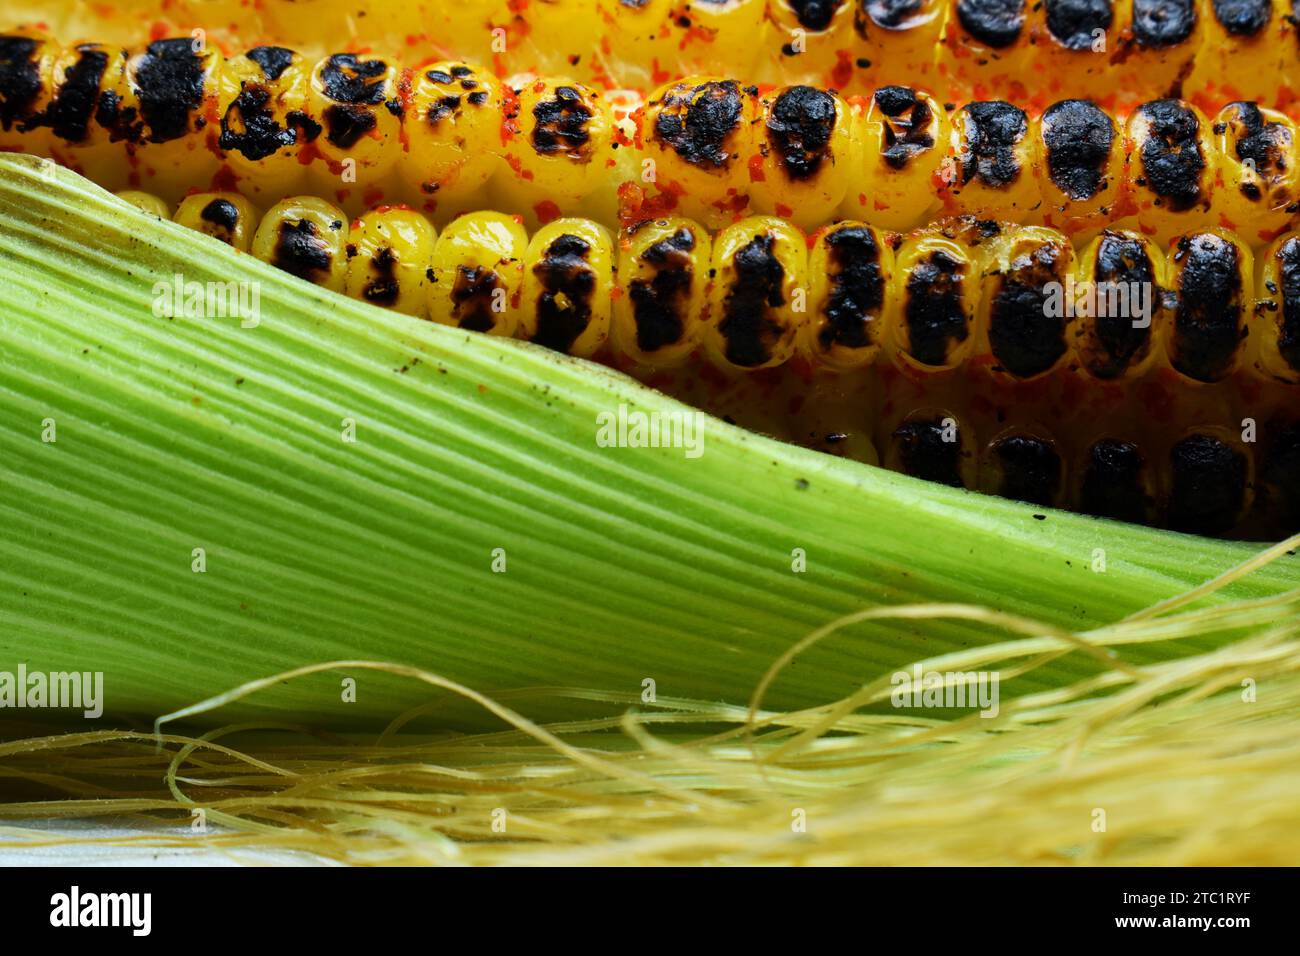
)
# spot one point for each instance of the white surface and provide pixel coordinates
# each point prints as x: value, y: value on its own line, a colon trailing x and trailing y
x: 89, y: 854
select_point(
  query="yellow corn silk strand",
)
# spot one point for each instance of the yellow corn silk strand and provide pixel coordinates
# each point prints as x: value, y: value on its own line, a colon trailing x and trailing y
x: 1119, y: 52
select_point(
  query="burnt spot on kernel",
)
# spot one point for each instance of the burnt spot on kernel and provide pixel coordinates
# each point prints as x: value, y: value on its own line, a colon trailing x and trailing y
x: 345, y: 125
x: 345, y: 79
x: 562, y: 124
x: 1073, y: 23
x: 906, y: 128
x: 1266, y: 146
x: 926, y: 450
x: 934, y: 315
x: 799, y: 128
x: 857, y: 288
x: 473, y: 294
x: 222, y: 213
x: 746, y: 326
x: 993, y: 130
x: 273, y: 60
x: 659, y: 304
x: 300, y: 250
x: 169, y: 79
x: 1113, y: 483
x: 1163, y: 23
x: 1208, y: 326
x: 1026, y: 338
x: 20, y: 78
x: 383, y: 287
x: 441, y: 108
x: 68, y: 117
x: 1029, y: 469
x: 1243, y: 18
x: 1079, y: 137
x: 250, y: 129
x: 1120, y: 338
x: 696, y: 121
x: 1172, y: 161
x: 815, y: 14
x: 1281, y: 476
x: 568, y: 282
x: 1207, y: 485
x: 1288, y: 341
x: 995, y: 23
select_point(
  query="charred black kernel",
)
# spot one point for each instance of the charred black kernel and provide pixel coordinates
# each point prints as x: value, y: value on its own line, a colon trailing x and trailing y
x: 697, y: 120
x: 347, y: 124
x: 300, y: 251
x: 890, y: 14
x: 1029, y: 469
x: 20, y: 78
x: 441, y: 108
x: 249, y: 128
x: 746, y: 326
x: 77, y: 96
x: 1113, y: 485
x: 895, y: 100
x: 1026, y: 339
x: 307, y: 128
x: 477, y: 99
x: 222, y: 213
x: 924, y: 453
x: 1074, y: 22
x: 993, y: 130
x: 996, y: 23
x: 815, y: 14
x: 934, y: 315
x: 906, y: 128
x: 395, y: 107
x: 568, y: 282
x: 1172, y: 162
x: 439, y: 76
x: 1288, y: 340
x: 1122, y: 263
x: 659, y: 304
x: 1208, y: 485
x: 1079, y: 137
x: 1208, y: 324
x: 273, y: 60
x: 472, y: 294
x: 1243, y: 18
x: 345, y: 79
x: 1281, y: 476
x: 461, y: 71
x: 799, y: 128
x: 1265, y: 145
x: 562, y: 124
x: 169, y: 80
x: 383, y: 289
x: 857, y: 288
x: 1163, y: 23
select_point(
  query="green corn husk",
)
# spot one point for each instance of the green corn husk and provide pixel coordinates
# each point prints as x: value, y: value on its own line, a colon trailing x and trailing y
x: 622, y: 564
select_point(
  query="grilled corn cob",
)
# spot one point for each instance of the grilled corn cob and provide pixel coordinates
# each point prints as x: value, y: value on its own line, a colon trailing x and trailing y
x: 448, y: 138
x: 1120, y: 52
